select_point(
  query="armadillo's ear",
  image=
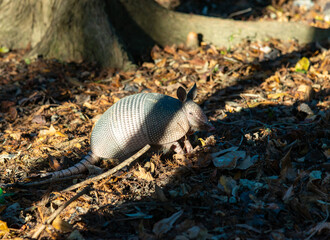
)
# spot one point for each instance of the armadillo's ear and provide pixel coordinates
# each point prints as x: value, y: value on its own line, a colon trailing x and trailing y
x: 181, y: 94
x: 192, y: 93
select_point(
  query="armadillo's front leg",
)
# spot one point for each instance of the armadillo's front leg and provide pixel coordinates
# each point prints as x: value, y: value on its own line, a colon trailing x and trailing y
x: 188, y: 146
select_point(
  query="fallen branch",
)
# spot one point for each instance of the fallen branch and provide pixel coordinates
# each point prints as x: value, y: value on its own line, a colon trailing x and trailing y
x: 111, y: 171
x: 51, y: 218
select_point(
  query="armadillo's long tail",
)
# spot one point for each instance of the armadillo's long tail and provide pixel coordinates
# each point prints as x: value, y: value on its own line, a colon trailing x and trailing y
x: 89, y: 159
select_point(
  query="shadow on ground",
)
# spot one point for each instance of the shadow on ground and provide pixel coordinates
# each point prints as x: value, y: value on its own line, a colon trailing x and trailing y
x: 214, y: 202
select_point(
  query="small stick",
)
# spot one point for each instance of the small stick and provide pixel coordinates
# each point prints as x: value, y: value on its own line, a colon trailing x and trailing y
x: 234, y: 14
x: 111, y: 171
x: 51, y: 218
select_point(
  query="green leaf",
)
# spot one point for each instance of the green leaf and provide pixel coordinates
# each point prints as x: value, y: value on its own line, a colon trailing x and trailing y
x: 27, y: 61
x: 4, y: 49
x: 2, y: 197
x: 302, y: 65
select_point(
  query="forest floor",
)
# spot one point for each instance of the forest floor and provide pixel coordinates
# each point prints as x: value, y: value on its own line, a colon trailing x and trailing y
x: 262, y: 174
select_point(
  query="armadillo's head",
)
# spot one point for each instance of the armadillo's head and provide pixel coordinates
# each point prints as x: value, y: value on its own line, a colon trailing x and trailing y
x: 196, y: 117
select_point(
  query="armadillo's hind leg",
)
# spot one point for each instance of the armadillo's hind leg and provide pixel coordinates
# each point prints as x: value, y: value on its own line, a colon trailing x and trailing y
x: 177, y: 148
x: 172, y: 146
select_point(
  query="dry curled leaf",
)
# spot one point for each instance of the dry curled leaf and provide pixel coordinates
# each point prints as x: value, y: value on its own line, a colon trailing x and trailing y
x: 229, y: 160
x: 3, y: 228
x: 143, y: 174
x: 51, y: 132
x: 61, y: 225
x: 166, y: 224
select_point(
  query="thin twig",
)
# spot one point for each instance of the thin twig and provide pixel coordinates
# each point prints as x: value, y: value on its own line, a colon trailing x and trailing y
x: 234, y: 14
x: 111, y: 171
x: 51, y: 218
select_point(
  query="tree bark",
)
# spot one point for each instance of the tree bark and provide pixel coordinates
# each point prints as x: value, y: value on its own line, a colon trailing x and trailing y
x: 23, y: 23
x: 69, y: 30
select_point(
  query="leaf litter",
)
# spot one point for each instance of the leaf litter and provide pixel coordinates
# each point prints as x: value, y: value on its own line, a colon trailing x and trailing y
x: 264, y: 172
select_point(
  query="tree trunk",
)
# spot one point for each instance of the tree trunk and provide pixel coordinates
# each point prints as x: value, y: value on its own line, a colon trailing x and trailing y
x: 70, y: 30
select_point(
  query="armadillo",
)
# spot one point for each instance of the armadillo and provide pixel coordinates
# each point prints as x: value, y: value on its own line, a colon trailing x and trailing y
x: 141, y: 119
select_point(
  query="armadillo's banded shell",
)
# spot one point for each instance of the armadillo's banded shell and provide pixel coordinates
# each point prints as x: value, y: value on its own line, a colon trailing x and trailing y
x: 137, y: 120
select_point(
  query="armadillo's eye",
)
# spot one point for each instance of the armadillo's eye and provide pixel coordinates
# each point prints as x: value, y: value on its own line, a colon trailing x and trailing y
x: 191, y: 113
